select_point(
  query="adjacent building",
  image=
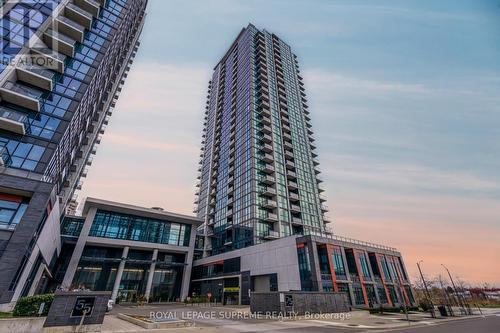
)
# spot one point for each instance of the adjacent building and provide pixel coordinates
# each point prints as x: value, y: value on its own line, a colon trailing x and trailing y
x: 139, y: 254
x: 259, y: 192
x: 62, y: 67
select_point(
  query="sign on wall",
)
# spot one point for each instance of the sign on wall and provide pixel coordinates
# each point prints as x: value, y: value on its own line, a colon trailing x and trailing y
x: 83, y: 305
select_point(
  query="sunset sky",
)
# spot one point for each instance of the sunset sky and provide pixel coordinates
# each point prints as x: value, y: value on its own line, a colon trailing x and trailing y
x: 405, y: 106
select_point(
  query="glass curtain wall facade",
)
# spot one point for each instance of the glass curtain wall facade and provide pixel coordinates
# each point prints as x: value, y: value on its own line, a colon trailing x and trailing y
x: 258, y: 173
x: 63, y: 65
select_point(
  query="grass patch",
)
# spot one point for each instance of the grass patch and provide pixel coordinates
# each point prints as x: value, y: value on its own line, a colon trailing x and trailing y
x: 5, y: 314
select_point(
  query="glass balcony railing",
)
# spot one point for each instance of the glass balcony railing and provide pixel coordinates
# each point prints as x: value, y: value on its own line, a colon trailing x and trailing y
x: 61, y: 37
x: 18, y: 117
x: 71, y: 23
x: 5, y: 159
x: 23, y: 90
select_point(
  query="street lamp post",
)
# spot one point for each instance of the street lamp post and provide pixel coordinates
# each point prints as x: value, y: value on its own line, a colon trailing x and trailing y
x: 460, y: 301
x: 426, y: 290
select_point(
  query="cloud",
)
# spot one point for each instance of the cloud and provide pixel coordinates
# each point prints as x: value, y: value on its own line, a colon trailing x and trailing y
x: 324, y: 82
x: 149, y: 153
x: 409, y: 176
x: 122, y: 140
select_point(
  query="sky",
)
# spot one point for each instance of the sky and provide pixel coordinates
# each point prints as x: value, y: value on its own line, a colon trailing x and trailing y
x: 405, y: 105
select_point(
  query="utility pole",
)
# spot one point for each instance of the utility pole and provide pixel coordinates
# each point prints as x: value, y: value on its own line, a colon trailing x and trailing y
x: 446, y: 297
x: 460, y: 301
x: 426, y: 290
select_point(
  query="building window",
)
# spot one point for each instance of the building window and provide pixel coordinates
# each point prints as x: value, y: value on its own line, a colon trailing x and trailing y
x: 370, y: 292
x: 338, y: 263
x: 344, y: 288
x: 304, y: 268
x: 358, y: 296
x: 365, y: 271
x: 130, y: 227
x: 72, y: 226
x: 382, y: 295
x: 12, y: 208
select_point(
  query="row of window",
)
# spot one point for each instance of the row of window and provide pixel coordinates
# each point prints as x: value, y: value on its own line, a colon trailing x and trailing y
x: 130, y: 227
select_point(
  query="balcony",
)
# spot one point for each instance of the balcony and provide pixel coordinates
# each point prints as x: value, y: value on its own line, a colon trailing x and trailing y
x: 324, y: 208
x: 268, y: 180
x: 60, y: 42
x: 269, y: 192
x: 268, y: 168
x: 291, y: 175
x: 268, y: 158
x: 21, y: 95
x: 290, y: 165
x: 296, y: 221
x: 273, y: 218
x: 292, y: 186
x: 14, y: 121
x: 267, y: 148
x: 287, y: 136
x: 266, y: 138
x: 47, y: 56
x: 266, y: 129
x: 5, y: 159
x: 271, y: 234
x: 36, y: 76
x: 295, y: 209
x: 78, y: 15
x: 288, y: 145
x: 89, y: 5
x: 270, y: 204
x: 266, y: 120
x: 70, y: 28
x: 293, y: 197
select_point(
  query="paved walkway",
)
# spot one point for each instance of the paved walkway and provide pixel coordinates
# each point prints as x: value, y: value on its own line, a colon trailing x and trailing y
x: 238, y: 319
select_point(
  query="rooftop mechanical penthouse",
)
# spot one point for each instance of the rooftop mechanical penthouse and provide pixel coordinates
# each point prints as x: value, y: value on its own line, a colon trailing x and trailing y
x: 63, y: 65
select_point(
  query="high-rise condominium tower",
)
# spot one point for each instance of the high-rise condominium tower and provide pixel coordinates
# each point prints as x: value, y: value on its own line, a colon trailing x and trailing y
x: 258, y: 171
x: 63, y: 64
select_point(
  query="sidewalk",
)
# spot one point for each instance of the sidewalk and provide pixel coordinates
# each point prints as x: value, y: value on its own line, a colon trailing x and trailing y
x: 357, y: 319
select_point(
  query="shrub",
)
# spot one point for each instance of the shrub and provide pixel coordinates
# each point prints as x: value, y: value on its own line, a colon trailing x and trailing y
x: 425, y: 306
x: 28, y: 306
x: 197, y: 299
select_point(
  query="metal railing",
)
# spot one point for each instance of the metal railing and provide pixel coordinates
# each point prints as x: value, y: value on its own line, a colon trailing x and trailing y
x: 330, y: 235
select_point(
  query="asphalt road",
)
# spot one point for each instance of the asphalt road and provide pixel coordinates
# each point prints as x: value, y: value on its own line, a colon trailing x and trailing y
x: 478, y: 325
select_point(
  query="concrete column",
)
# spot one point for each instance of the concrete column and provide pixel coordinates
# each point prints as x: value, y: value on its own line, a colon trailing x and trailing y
x: 186, y: 276
x: 36, y: 280
x: 119, y: 274
x: 77, y: 252
x: 315, y: 270
x: 151, y: 274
